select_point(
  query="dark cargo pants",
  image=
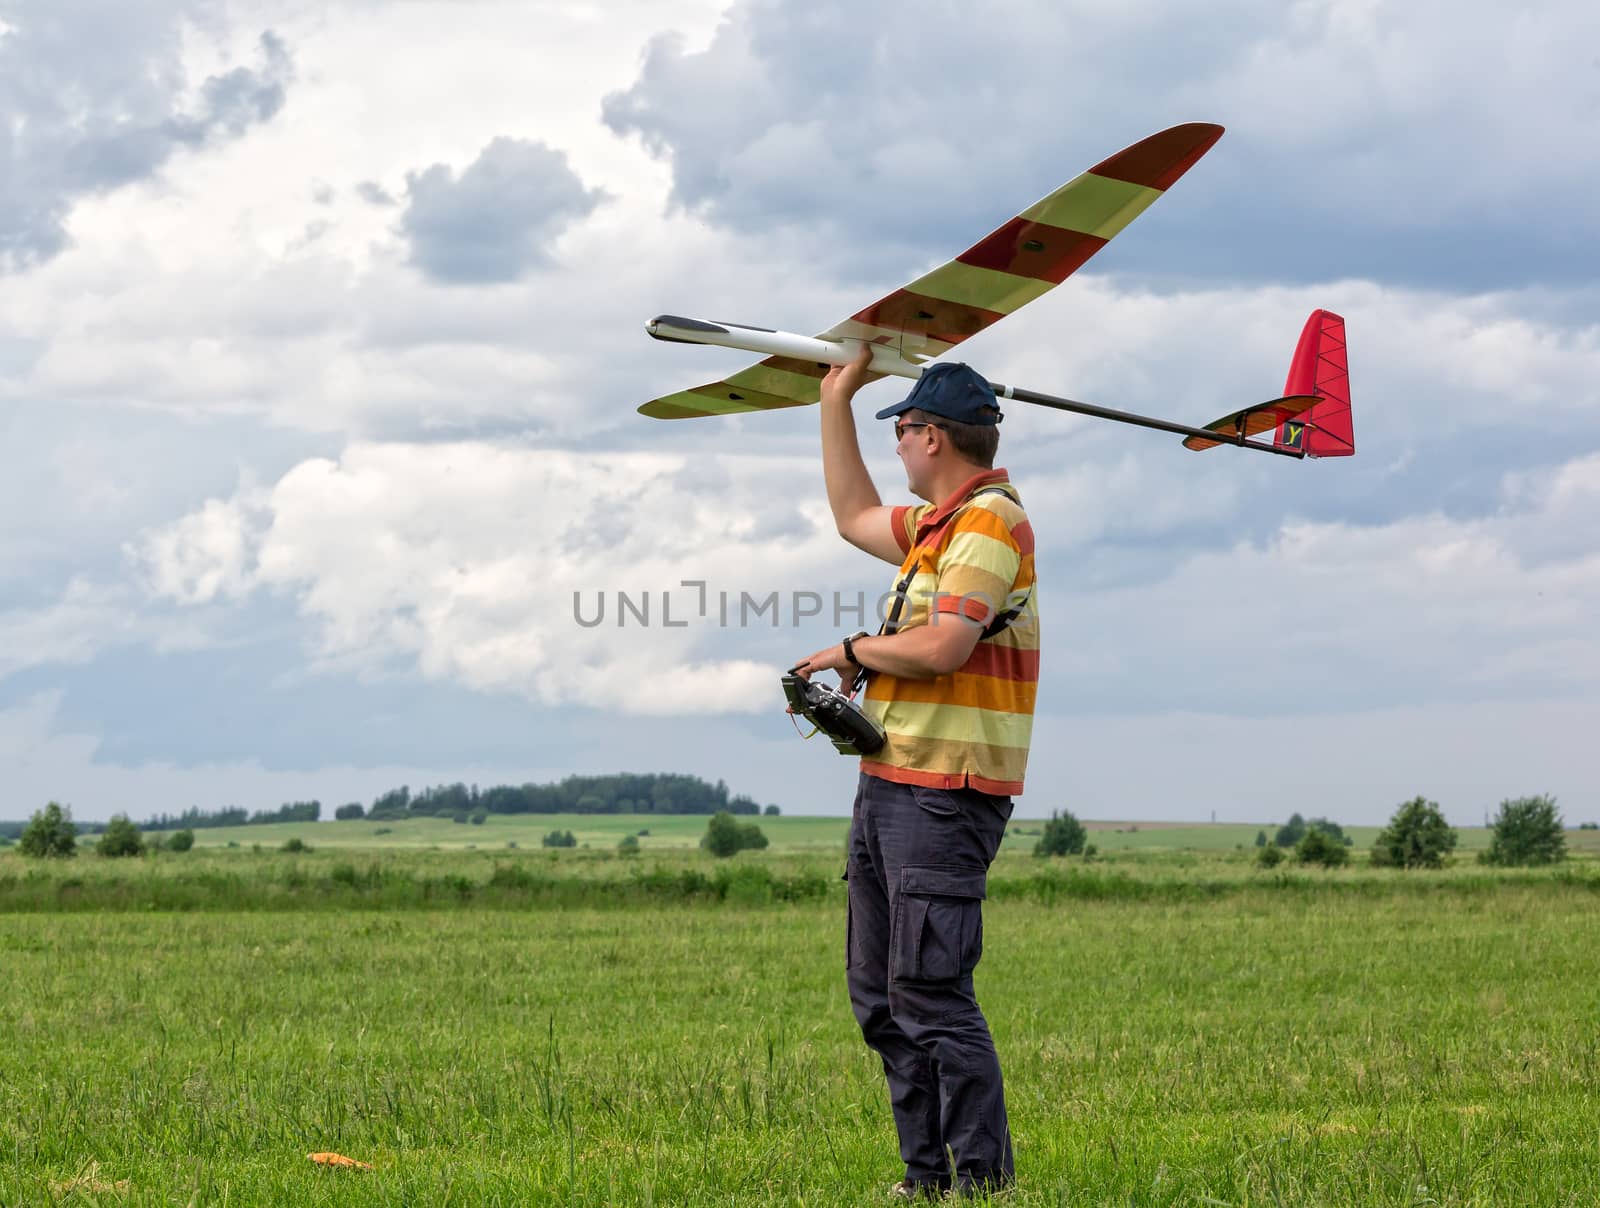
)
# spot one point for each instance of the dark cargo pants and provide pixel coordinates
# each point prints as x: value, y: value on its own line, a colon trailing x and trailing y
x: 917, y: 868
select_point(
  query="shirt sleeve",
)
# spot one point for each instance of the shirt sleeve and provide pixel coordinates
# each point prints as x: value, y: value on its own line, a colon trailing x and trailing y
x: 904, y: 520
x: 979, y: 566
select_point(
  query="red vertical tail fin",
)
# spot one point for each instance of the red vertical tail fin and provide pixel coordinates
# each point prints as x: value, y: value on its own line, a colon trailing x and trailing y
x: 1320, y: 367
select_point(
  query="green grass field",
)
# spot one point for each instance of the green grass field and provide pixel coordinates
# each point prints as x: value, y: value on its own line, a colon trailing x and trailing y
x: 666, y: 831
x: 517, y: 1027
x: 684, y: 831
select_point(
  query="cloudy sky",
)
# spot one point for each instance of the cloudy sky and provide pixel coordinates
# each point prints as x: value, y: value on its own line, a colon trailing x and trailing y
x: 321, y: 338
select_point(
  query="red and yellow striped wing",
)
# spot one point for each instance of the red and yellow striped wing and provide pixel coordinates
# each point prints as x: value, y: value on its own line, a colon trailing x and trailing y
x: 765, y: 386
x: 1022, y: 260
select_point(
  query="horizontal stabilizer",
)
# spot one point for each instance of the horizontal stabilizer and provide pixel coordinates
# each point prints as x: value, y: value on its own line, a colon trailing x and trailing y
x: 1253, y: 421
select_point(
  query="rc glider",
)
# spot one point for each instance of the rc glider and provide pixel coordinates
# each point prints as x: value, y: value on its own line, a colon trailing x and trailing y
x: 1010, y: 267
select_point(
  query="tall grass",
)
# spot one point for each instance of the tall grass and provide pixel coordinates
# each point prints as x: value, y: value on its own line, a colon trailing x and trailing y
x: 340, y: 880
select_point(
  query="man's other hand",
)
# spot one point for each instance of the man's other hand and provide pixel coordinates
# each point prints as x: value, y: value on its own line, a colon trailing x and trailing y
x: 831, y: 659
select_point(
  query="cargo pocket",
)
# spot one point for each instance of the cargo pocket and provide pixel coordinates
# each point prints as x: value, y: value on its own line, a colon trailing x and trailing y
x: 938, y: 922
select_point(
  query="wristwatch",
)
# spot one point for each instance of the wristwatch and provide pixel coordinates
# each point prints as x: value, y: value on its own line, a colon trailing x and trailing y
x: 849, y: 647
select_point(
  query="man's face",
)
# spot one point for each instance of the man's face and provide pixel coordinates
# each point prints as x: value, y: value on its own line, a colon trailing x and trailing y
x: 911, y: 445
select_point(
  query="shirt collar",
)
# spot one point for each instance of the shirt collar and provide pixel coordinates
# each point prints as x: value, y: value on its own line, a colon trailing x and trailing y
x: 960, y: 495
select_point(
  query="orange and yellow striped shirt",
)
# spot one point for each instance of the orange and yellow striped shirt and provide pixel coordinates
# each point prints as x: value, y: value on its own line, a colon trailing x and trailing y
x: 969, y: 728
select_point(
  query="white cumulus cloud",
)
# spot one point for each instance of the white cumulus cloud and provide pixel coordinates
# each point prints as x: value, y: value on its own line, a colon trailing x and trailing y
x: 474, y: 563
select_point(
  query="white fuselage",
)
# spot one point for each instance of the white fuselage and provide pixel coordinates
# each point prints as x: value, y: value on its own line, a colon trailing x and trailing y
x: 779, y: 343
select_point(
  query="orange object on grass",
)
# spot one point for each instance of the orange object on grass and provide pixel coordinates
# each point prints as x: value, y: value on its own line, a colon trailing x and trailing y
x: 338, y: 1159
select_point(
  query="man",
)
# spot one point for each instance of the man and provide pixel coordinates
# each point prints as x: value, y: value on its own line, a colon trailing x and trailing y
x: 952, y: 684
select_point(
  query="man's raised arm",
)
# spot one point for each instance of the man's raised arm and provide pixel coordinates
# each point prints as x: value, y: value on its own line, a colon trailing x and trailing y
x: 858, y: 513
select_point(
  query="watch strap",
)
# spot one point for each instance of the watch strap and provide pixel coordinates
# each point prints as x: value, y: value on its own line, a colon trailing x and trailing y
x: 849, y: 647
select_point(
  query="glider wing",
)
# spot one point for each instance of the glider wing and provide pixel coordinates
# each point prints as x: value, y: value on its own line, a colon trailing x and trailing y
x: 1010, y: 267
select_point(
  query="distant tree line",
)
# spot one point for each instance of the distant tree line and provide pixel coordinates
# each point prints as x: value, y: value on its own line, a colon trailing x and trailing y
x: 233, y: 815
x: 624, y: 793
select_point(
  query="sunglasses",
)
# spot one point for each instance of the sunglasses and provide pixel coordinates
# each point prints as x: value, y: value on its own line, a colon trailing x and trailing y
x: 900, y: 427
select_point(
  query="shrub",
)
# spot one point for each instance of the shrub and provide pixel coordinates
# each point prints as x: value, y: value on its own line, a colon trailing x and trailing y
x: 559, y: 839
x: 121, y: 838
x: 1332, y: 829
x: 180, y: 840
x: 479, y: 817
x: 629, y: 845
x: 1527, y: 830
x: 296, y: 844
x: 1270, y: 856
x: 349, y: 813
x: 1417, y: 837
x: 1317, y: 846
x: 722, y: 835
x: 771, y: 811
x: 384, y: 830
x: 725, y: 836
x: 1291, y: 832
x: 1063, y: 835
x: 1261, y: 838
x: 50, y: 832
x: 512, y: 876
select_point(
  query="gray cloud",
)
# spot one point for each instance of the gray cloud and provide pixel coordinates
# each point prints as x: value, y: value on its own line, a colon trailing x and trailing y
x: 92, y: 98
x: 232, y: 103
x: 371, y: 192
x: 495, y: 222
x: 1396, y: 142
x: 78, y: 479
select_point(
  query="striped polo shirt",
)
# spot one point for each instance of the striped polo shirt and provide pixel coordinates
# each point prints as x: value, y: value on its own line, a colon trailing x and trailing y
x: 971, y: 555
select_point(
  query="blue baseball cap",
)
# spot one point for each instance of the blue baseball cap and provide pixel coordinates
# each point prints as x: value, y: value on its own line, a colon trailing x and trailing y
x: 950, y: 390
